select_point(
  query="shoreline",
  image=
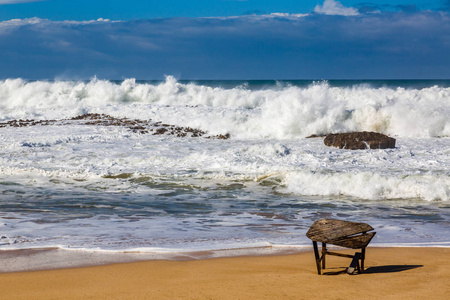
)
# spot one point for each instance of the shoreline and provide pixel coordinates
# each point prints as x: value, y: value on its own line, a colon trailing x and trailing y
x: 395, y: 273
x: 42, y: 259
x: 54, y: 258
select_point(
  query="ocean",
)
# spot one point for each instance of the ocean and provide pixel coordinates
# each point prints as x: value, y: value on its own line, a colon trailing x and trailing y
x: 171, y: 166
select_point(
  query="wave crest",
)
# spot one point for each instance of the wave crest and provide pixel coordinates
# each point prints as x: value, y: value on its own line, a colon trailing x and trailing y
x: 277, y: 111
x: 368, y: 185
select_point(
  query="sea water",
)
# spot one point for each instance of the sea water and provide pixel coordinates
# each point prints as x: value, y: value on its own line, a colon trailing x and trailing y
x: 94, y: 187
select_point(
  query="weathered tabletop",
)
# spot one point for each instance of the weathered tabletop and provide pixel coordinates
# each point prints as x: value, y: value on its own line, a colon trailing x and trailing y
x: 341, y: 233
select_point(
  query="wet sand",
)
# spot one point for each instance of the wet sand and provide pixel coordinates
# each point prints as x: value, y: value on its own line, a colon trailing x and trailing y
x: 391, y: 273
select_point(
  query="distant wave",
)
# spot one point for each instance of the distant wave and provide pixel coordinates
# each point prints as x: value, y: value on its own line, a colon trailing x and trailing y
x: 277, y: 111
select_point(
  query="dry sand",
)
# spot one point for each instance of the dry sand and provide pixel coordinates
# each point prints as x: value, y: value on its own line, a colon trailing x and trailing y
x: 391, y: 273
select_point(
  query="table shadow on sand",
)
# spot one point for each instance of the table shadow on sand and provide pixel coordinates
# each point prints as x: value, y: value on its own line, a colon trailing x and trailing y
x: 378, y: 269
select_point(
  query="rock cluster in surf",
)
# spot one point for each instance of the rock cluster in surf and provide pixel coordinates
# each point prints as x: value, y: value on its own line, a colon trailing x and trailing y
x: 135, y: 125
x: 359, y: 140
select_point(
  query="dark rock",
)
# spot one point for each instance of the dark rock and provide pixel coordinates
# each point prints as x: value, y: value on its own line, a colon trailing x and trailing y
x: 359, y: 140
x: 223, y: 137
x: 160, y: 131
x: 312, y: 136
x: 136, y: 126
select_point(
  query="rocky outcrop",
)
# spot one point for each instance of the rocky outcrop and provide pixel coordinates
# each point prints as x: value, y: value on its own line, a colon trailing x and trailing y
x: 359, y: 140
x: 134, y: 125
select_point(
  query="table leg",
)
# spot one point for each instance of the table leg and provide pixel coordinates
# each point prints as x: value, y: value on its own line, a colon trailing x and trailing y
x: 324, y: 253
x: 363, y: 256
x: 316, y: 253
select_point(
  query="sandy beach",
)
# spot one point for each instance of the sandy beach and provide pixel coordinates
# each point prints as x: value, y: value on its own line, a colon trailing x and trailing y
x: 391, y: 273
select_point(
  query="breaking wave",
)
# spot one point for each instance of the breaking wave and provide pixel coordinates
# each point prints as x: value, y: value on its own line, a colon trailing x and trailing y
x: 368, y: 185
x: 280, y: 111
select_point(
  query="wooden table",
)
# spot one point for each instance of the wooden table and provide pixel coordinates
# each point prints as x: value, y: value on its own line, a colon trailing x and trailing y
x: 340, y: 233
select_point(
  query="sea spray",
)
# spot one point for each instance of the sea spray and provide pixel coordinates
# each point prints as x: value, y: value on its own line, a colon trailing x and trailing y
x: 276, y: 111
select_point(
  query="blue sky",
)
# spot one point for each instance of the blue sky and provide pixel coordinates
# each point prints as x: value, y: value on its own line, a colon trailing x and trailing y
x: 225, y: 39
x: 145, y: 9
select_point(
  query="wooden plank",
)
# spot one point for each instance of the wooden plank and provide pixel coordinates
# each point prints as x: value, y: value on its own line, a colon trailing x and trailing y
x: 354, y: 242
x: 339, y: 254
x: 327, y: 230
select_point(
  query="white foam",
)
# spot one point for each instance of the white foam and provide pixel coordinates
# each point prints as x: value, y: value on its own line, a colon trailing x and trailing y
x: 83, y: 155
x: 275, y: 112
x: 368, y: 185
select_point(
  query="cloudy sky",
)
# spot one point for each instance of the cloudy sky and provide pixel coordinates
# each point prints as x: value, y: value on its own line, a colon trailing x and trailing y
x: 225, y: 39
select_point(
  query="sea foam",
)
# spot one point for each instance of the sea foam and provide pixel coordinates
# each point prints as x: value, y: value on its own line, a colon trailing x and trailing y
x: 282, y: 111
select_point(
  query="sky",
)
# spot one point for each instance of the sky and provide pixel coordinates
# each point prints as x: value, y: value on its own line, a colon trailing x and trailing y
x: 224, y: 39
x: 81, y: 10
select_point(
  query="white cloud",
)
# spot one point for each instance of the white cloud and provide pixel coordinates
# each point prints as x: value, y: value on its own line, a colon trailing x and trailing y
x: 15, y: 23
x: 331, y: 7
x: 35, y: 20
x: 20, y: 22
x: 259, y: 17
x: 99, y: 20
x: 286, y: 15
x: 17, y: 1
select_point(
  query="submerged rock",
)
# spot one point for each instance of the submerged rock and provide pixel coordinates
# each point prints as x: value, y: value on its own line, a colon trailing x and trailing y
x: 359, y: 140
